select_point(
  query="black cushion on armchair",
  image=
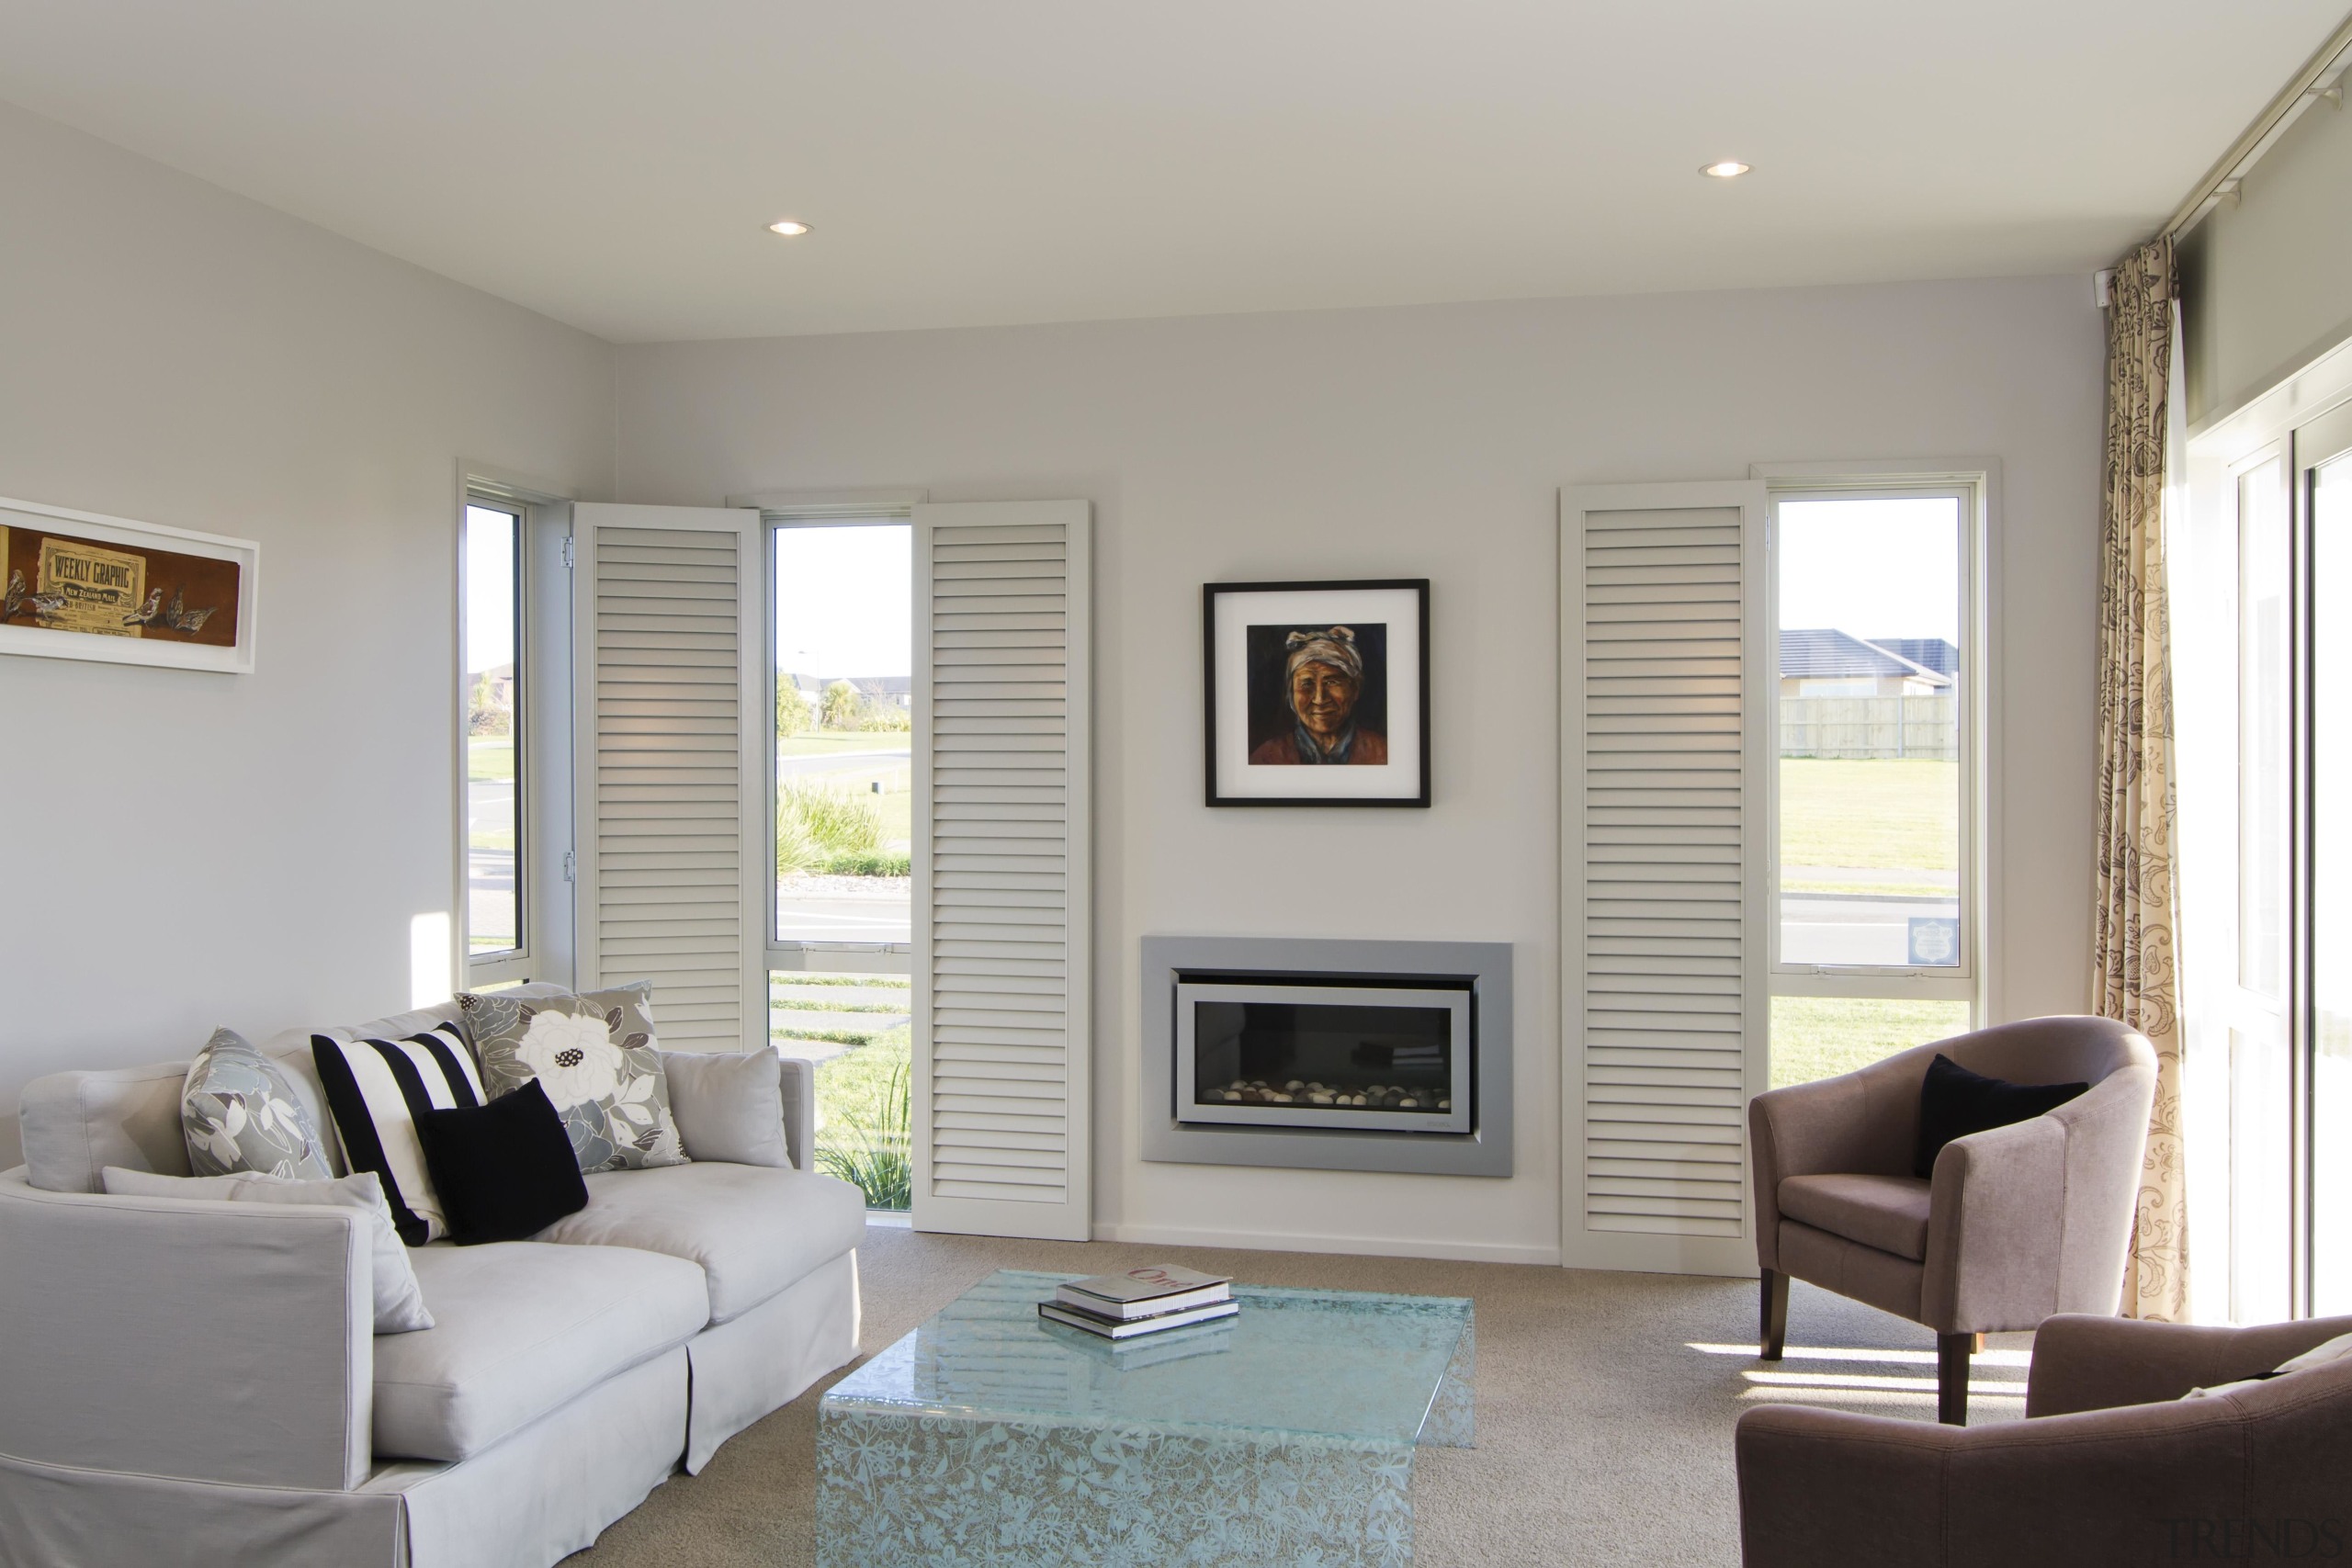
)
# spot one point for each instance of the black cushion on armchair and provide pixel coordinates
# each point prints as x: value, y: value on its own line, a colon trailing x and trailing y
x: 1955, y: 1102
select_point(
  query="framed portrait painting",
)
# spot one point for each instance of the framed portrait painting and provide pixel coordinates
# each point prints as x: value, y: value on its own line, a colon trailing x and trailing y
x: 1317, y: 693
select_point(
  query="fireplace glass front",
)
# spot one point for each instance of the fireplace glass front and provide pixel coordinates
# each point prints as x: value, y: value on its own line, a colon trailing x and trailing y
x: 1354, y: 1055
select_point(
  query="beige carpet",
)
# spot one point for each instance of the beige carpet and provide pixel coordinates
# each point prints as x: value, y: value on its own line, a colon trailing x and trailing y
x: 1605, y: 1404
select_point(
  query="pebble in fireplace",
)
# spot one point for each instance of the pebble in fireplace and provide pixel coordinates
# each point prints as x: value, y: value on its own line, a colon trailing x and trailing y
x: 1411, y: 1077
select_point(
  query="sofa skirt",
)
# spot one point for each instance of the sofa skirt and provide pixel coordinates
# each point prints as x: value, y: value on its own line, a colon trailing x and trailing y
x: 761, y: 1361
x: 526, y: 1502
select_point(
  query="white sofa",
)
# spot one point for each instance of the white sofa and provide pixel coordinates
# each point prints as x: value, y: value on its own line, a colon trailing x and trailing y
x: 192, y: 1382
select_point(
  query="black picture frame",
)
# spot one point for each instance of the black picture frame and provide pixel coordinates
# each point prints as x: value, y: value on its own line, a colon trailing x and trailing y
x: 1253, y: 737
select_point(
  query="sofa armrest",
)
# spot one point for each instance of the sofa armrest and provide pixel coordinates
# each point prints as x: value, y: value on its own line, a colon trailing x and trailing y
x: 799, y: 1087
x: 1996, y: 1226
x: 1819, y: 1486
x: 2083, y: 1362
x: 185, y: 1338
x: 2113, y: 1486
x: 2034, y: 1219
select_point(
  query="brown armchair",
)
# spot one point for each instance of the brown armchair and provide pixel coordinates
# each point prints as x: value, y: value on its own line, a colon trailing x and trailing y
x: 2109, y: 1467
x: 2018, y: 1224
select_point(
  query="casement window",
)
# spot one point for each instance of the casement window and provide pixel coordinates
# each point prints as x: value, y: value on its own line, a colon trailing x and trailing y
x: 1874, y: 797
x: 702, y: 636
x: 1768, y: 870
x: 841, y: 607
x: 495, y: 759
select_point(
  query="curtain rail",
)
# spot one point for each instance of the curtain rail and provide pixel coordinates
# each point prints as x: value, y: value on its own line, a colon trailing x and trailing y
x: 2320, y: 77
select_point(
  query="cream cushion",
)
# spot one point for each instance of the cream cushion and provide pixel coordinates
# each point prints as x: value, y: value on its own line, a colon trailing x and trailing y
x: 754, y: 1230
x: 520, y: 1328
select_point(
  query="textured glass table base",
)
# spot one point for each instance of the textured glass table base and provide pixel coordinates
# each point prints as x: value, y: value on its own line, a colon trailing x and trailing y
x: 986, y: 1440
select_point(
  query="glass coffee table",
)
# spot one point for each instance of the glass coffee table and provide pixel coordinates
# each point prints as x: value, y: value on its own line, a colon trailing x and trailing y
x: 1282, y: 1436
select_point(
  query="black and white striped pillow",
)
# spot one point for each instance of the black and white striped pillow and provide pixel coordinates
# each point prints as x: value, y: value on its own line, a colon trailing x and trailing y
x: 375, y: 1088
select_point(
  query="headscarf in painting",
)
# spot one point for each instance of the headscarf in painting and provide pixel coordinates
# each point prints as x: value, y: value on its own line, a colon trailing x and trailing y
x: 1336, y: 647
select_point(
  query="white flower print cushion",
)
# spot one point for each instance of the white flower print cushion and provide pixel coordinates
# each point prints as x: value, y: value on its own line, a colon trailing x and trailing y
x: 595, y: 1056
x: 239, y: 1114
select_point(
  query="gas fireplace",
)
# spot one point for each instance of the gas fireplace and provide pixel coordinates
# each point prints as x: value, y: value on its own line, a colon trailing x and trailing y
x: 1370, y: 1055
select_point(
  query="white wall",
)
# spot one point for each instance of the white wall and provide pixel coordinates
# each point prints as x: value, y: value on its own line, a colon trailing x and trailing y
x: 180, y: 850
x: 1424, y: 442
x: 2263, y: 285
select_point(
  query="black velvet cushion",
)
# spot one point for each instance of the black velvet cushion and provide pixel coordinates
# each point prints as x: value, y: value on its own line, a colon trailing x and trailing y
x: 1955, y: 1102
x: 505, y: 1170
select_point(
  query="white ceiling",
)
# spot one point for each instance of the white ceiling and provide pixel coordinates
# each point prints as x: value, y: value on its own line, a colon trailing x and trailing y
x: 612, y: 162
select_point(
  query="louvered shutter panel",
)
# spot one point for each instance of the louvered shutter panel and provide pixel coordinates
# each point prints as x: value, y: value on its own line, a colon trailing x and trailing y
x: 1001, y: 879
x: 672, y: 781
x: 1664, y: 773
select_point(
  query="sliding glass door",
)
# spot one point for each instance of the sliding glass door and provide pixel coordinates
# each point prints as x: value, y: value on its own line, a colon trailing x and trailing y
x: 2324, y: 455
x: 2261, y: 1073
x: 2286, y: 999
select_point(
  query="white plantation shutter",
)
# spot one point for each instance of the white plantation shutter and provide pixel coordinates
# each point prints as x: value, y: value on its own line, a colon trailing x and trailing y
x: 1001, y: 878
x: 1663, y: 664
x: 669, y: 828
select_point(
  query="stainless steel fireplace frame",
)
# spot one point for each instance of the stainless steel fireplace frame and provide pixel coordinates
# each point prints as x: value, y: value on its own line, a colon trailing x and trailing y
x: 1479, y: 972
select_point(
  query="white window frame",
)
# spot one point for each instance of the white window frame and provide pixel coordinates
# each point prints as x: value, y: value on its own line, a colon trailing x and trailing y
x: 1974, y: 483
x: 777, y: 514
x: 505, y: 966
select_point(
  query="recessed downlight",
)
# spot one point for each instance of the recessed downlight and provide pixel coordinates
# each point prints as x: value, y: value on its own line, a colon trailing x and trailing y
x: 1729, y: 169
x: 790, y: 228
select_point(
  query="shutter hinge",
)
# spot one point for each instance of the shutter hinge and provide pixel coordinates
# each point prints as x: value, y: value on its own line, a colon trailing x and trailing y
x: 567, y: 552
x: 571, y: 866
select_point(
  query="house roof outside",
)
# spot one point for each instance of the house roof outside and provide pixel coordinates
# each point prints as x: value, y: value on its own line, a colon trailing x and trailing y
x: 1929, y: 652
x: 1825, y: 653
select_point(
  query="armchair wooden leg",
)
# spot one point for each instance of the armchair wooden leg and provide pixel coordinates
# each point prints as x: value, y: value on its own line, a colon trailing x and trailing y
x: 1774, y: 1327
x: 1952, y: 1351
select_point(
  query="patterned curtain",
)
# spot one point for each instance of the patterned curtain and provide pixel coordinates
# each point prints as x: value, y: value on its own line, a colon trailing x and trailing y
x: 2132, y: 943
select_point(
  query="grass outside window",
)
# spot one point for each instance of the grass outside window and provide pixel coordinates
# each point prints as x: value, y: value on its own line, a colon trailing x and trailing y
x: 1881, y: 815
x: 864, y: 1108
x: 1820, y: 1037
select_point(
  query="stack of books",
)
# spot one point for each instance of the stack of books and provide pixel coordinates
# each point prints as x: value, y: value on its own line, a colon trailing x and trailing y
x: 1149, y: 1299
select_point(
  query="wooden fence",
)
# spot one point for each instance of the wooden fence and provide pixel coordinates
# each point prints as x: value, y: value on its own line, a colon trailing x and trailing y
x: 1925, y: 727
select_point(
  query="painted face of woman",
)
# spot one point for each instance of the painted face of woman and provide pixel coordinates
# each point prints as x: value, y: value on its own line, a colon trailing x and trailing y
x: 1323, y: 698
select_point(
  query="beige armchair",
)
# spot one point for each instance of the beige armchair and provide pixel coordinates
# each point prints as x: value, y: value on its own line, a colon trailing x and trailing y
x: 2111, y: 1466
x: 2019, y: 1224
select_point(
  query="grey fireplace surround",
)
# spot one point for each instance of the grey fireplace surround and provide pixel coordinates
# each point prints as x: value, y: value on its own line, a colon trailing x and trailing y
x: 1483, y: 968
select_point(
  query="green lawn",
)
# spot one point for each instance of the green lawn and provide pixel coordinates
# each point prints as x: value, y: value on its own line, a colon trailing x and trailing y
x: 1887, y: 815
x: 1819, y: 1037
x: 489, y: 756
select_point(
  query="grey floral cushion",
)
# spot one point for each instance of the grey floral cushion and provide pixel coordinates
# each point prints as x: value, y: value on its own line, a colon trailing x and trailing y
x: 594, y: 1054
x: 239, y: 1112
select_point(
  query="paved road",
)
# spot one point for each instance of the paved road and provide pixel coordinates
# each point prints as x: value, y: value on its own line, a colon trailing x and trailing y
x: 841, y: 763
x: 1860, y: 929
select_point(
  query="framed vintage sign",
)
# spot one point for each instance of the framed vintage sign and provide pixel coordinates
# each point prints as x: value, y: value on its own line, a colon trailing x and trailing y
x: 82, y: 585
x: 1317, y: 693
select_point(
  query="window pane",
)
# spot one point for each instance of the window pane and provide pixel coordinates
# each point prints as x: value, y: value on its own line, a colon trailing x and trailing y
x: 2331, y: 891
x: 844, y: 659
x: 2262, y: 1175
x: 1820, y: 1037
x: 2263, y: 761
x: 1871, y: 664
x: 493, y: 907
x: 854, y: 1028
